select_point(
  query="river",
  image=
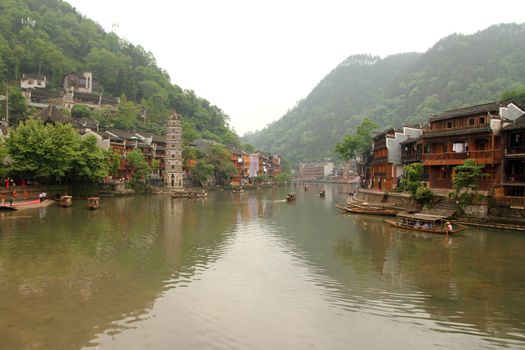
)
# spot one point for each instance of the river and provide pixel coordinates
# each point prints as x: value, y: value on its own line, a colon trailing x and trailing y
x: 251, y: 271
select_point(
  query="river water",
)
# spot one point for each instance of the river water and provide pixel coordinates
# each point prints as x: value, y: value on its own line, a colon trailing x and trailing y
x: 250, y: 271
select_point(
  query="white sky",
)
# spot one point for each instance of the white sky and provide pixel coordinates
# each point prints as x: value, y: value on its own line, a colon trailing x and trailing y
x: 256, y: 59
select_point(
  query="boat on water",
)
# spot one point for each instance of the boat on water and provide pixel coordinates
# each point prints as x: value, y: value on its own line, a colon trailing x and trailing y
x: 93, y: 202
x: 238, y: 190
x: 290, y: 197
x: 322, y: 194
x: 189, y: 194
x: 367, y: 210
x: 66, y: 201
x: 426, y: 223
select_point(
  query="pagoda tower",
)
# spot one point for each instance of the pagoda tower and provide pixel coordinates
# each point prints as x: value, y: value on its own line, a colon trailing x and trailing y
x: 173, y: 174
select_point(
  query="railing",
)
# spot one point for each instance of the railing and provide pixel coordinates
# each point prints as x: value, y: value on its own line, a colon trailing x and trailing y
x: 514, y: 178
x: 515, y: 150
x: 508, y: 200
x: 481, y: 127
x: 493, y: 155
x: 380, y: 159
x: 380, y: 174
x: 415, y: 157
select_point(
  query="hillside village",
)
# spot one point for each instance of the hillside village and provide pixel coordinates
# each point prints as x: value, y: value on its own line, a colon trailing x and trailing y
x: 53, y: 106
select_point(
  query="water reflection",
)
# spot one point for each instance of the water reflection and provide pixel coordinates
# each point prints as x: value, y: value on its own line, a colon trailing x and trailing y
x: 250, y: 270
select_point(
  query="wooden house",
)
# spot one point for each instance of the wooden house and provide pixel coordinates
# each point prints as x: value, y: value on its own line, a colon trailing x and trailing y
x: 460, y: 134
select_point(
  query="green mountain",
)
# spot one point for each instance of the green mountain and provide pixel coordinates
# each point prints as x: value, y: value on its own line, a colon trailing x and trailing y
x: 458, y: 71
x: 51, y: 38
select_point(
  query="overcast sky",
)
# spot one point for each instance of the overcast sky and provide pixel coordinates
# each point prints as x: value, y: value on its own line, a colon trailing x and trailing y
x: 256, y: 59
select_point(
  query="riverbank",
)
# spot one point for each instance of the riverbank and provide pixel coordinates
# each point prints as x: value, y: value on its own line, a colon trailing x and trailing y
x: 482, y: 214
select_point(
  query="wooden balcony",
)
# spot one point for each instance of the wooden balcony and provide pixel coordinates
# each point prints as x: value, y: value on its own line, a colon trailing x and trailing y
x: 457, y: 130
x: 514, y: 179
x: 378, y: 160
x: 508, y: 200
x: 515, y: 152
x: 453, y: 158
x: 411, y: 158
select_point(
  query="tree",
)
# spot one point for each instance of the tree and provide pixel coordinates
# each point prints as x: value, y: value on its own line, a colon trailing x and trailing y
x: 91, y: 163
x: 203, y: 171
x: 80, y: 111
x: 113, y: 160
x: 136, y: 160
x: 283, y: 178
x: 220, y: 158
x: 352, y: 145
x: 467, y: 178
x: 412, y: 180
x: 516, y: 95
x: 43, y: 152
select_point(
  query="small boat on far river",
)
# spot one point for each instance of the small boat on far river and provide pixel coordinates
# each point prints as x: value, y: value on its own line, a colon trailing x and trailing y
x: 290, y: 197
x: 93, y: 203
x: 355, y: 209
x: 66, y: 201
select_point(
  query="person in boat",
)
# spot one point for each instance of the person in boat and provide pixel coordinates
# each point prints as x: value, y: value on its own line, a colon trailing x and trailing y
x: 448, y: 227
x: 426, y: 226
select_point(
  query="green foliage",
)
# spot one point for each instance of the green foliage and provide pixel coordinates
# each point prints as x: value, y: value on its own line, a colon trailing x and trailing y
x: 80, y: 111
x: 53, y: 152
x: 460, y: 70
x: 516, y: 95
x: 424, y: 195
x: 203, y: 171
x: 135, y: 159
x: 283, y: 178
x: 64, y: 41
x: 3, y: 155
x: 113, y: 162
x: 467, y: 178
x: 467, y: 175
x: 412, y: 178
x: 91, y: 163
x: 17, y: 105
x: 220, y: 158
x: 357, y: 143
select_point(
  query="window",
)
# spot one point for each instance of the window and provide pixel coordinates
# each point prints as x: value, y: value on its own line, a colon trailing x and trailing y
x: 449, y: 125
x: 471, y: 122
x: 442, y: 174
x: 482, y: 120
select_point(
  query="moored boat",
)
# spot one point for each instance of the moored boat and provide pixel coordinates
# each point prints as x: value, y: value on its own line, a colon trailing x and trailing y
x: 426, y: 223
x: 66, y: 201
x: 93, y: 202
x: 368, y: 211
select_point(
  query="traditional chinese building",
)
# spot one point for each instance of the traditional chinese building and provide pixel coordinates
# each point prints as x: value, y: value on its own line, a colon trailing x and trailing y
x: 460, y: 134
x: 173, y: 174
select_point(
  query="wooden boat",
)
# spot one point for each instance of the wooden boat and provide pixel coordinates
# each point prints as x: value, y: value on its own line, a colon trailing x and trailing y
x: 238, y: 190
x: 322, y: 194
x: 368, y: 211
x: 7, y: 208
x: 425, y: 223
x: 93, y: 203
x: 66, y: 201
x: 189, y: 194
x: 306, y: 188
x: 290, y: 197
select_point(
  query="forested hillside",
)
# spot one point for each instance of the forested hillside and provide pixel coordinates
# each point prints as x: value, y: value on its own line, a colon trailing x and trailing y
x: 458, y: 71
x: 49, y: 37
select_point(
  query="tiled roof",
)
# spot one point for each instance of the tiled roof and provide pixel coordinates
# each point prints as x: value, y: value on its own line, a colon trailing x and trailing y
x: 410, y: 140
x: 51, y: 114
x: 492, y: 107
x: 518, y: 124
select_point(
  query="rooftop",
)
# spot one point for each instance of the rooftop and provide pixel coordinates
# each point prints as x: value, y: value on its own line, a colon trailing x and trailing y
x: 486, y: 108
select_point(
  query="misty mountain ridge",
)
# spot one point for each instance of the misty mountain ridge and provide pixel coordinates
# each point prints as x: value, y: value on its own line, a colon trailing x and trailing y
x: 458, y: 71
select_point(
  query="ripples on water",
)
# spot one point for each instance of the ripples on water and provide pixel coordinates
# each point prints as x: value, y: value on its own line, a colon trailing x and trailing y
x: 247, y: 271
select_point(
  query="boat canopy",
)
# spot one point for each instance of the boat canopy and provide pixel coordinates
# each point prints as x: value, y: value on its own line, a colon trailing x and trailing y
x: 421, y: 217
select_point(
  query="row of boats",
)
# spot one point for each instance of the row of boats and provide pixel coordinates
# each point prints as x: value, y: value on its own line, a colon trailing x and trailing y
x: 404, y: 219
x: 66, y: 201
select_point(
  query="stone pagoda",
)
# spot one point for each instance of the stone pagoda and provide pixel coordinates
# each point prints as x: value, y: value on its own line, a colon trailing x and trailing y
x: 173, y: 174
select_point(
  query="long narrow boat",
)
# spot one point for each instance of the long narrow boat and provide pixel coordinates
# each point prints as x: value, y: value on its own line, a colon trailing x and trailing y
x: 368, y: 211
x: 425, y: 223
